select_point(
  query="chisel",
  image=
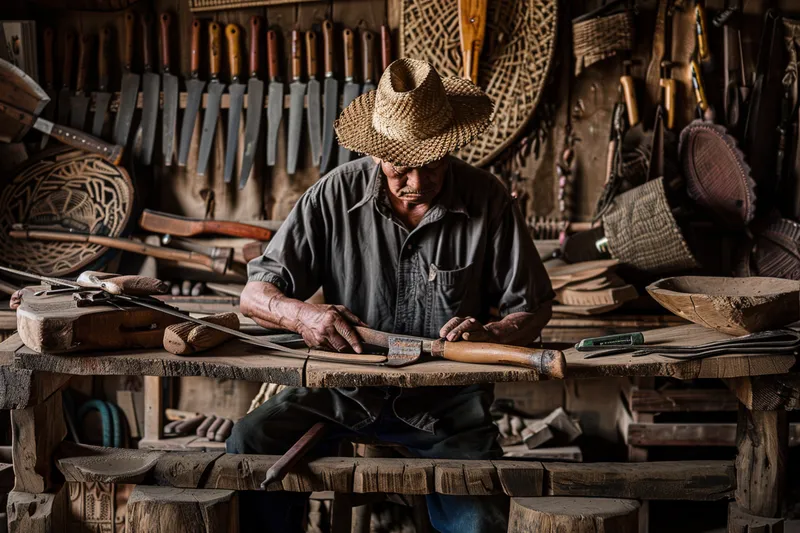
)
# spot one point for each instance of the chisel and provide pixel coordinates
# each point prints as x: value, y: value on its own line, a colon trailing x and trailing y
x: 331, y: 105
x: 297, y: 91
x: 274, y: 98
x: 64, y: 95
x: 102, y: 97
x: 255, y: 103
x: 314, y: 110
x: 194, y: 89
x: 79, y: 103
x: 236, y: 92
x: 169, y: 117
x: 368, y: 60
x: 350, y: 86
x: 150, y: 92
x: 49, y: 83
x: 214, y: 96
x: 130, y: 87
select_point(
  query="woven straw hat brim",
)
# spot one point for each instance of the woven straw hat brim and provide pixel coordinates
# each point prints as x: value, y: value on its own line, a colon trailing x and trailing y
x: 472, y: 114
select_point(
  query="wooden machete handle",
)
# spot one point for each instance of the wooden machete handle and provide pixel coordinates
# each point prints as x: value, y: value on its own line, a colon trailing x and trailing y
x: 166, y: 23
x: 127, y: 48
x: 386, y: 47
x: 147, y: 34
x: 272, y: 55
x: 234, y: 50
x: 48, y: 38
x: 349, y: 54
x: 550, y: 363
x: 214, y: 43
x: 195, y: 54
x: 327, y: 40
x: 103, y: 51
x: 297, y: 56
x: 83, y: 48
x: 311, y: 54
x: 367, y: 54
x: 255, y: 56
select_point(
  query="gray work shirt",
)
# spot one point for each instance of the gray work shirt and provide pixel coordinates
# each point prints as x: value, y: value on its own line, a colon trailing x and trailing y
x: 470, y: 253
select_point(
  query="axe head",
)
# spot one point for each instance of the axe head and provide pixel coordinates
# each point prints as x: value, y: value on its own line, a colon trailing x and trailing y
x: 404, y: 351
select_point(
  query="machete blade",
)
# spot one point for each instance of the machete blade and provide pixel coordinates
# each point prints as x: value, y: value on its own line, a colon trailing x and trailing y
x: 297, y: 92
x: 49, y: 112
x: 348, y: 95
x: 236, y: 91
x: 150, y: 92
x: 215, y: 89
x: 127, y: 104
x: 255, y: 99
x: 313, y: 119
x: 101, y: 101
x: 79, y: 108
x: 64, y: 99
x: 169, y: 117
x: 194, y: 88
x: 274, y: 117
x: 330, y: 110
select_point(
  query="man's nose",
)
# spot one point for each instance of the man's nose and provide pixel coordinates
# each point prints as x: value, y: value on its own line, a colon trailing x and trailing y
x: 416, y: 179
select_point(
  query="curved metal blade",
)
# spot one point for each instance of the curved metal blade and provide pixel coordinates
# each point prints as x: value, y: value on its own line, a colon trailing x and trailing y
x: 255, y: 108
x: 101, y: 101
x: 330, y: 110
x: 151, y: 96
x: 127, y: 104
x: 215, y: 89
x: 194, y: 88
x: 77, y: 114
x: 236, y: 91
x: 349, y: 94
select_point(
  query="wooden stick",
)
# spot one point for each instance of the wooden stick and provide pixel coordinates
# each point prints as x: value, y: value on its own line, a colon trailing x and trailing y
x: 283, y: 465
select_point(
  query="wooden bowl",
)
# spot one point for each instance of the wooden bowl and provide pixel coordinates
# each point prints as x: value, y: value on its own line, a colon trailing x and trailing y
x: 736, y: 306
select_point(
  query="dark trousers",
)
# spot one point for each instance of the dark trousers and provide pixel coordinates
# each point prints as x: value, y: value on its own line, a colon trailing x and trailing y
x: 464, y: 430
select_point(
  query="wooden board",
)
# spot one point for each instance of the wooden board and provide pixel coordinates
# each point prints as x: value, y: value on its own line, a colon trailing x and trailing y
x: 682, y: 400
x: 576, y: 515
x: 694, y: 434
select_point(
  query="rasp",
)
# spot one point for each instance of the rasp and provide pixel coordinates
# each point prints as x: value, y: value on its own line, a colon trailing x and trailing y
x: 274, y: 98
x: 215, y: 89
x: 368, y: 60
x: 386, y: 46
x: 297, y: 92
x: 79, y: 103
x: 255, y: 103
x: 64, y: 95
x: 150, y: 92
x: 130, y: 88
x: 331, y: 105
x: 49, y: 83
x: 102, y: 97
x: 314, y: 110
x: 350, y: 86
x: 169, y: 116
x: 236, y: 91
x: 194, y: 89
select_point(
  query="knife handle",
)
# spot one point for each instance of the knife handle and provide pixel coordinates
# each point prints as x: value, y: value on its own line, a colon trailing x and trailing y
x: 195, y: 53
x: 311, y: 54
x: 83, y: 47
x: 272, y: 55
x: 103, y: 50
x: 214, y: 42
x: 255, y: 41
x: 128, y: 46
x: 48, y: 37
x: 349, y: 54
x: 386, y: 47
x: 166, y: 23
x: 297, y: 56
x: 147, y: 32
x: 234, y: 50
x: 327, y: 40
x: 367, y: 54
x: 66, y: 72
x: 550, y: 363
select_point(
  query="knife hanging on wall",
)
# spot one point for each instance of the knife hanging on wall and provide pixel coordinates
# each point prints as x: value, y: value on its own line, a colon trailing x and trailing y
x: 194, y: 90
x: 169, y: 117
x: 130, y: 87
x: 297, y: 92
x: 350, y: 90
x: 102, y: 97
x: 236, y: 92
x: 255, y: 103
x: 79, y: 103
x: 314, y: 110
x: 331, y: 97
x: 214, y: 97
x: 274, y: 99
x: 150, y: 92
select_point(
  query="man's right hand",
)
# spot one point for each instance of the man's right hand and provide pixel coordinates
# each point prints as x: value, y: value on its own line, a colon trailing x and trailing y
x: 329, y: 326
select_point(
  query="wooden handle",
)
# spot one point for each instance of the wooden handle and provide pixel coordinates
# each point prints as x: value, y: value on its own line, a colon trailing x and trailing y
x: 311, y: 54
x: 48, y: 42
x: 166, y: 24
x: 472, y: 27
x: 189, y: 227
x: 255, y: 43
x: 367, y: 55
x: 236, y: 229
x: 670, y: 88
x: 103, y: 51
x: 349, y: 54
x: 272, y: 55
x: 702, y: 36
x: 127, y: 48
x: 327, y: 41
x: 214, y: 52
x: 83, y: 48
x: 66, y: 71
x: 386, y: 47
x: 282, y: 466
x: 550, y: 363
x: 147, y: 35
x: 116, y: 284
x: 297, y: 56
x: 234, y: 50
x: 195, y: 53
x: 629, y: 90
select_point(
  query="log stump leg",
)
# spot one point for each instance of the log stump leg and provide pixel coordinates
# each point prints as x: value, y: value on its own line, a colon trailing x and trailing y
x: 37, y: 513
x: 741, y: 522
x: 573, y: 515
x: 182, y: 510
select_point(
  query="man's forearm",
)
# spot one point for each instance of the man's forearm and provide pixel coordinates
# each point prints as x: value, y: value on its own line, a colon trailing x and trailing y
x: 269, y: 307
x: 521, y: 329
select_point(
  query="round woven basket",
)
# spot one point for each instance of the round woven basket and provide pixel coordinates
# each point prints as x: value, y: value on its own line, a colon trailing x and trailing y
x: 517, y: 54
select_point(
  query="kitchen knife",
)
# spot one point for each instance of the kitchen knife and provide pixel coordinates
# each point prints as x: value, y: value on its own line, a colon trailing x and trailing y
x: 79, y: 103
x: 64, y: 95
x: 236, y: 91
x: 331, y: 106
x: 255, y: 103
x: 297, y: 92
x: 215, y: 90
x: 386, y: 47
x: 130, y: 87
x: 150, y: 92
x: 169, y: 118
x: 102, y: 97
x: 274, y: 98
x: 368, y: 60
x: 350, y: 86
x: 49, y: 83
x: 314, y: 110
x: 194, y: 89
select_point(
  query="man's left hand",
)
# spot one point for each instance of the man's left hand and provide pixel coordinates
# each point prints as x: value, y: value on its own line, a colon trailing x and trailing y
x: 468, y: 329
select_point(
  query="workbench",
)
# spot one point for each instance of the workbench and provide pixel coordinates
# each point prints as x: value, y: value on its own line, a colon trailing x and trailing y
x: 30, y: 386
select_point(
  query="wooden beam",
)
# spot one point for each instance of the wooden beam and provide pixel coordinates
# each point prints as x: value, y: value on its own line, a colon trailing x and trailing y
x: 37, y: 433
x: 153, y: 408
x: 694, y: 434
x: 741, y: 522
x: 37, y: 513
x: 761, y: 462
x: 767, y: 393
x: 20, y: 387
x: 576, y: 515
x: 681, y: 400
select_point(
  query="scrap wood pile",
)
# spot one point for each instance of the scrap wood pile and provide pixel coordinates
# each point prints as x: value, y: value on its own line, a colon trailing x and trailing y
x: 539, y: 438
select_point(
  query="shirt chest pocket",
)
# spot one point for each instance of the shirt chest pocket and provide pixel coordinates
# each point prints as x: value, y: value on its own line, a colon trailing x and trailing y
x: 447, y: 294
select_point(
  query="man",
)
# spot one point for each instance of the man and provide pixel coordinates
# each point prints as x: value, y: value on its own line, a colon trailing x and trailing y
x: 410, y: 241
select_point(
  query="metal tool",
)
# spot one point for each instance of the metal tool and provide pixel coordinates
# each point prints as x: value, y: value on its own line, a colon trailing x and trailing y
x: 621, y: 339
x: 368, y: 60
x: 350, y: 90
x: 255, y: 103
x: 150, y: 92
x: 194, y: 89
x: 236, y: 91
x: 64, y: 95
x: 102, y: 97
x: 331, y: 97
x: 49, y: 82
x: 314, y: 109
x: 214, y: 97
x: 130, y: 87
x: 386, y: 46
x: 471, y: 29
x: 274, y: 98
x: 169, y: 116
x: 79, y: 103
x: 704, y: 109
x: 297, y: 92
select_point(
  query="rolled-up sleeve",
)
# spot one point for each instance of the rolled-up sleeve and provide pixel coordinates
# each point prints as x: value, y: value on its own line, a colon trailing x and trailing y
x: 293, y: 260
x: 518, y: 281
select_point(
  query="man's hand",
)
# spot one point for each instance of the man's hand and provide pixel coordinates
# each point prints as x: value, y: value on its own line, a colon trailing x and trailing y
x: 329, y: 326
x: 468, y: 329
x: 16, y: 300
x: 519, y: 329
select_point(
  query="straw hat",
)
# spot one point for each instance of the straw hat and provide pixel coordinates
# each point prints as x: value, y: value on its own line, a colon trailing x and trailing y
x: 415, y: 116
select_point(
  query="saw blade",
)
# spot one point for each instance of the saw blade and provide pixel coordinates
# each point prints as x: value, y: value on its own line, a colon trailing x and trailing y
x: 127, y: 104
x: 150, y: 94
x: 215, y: 90
x: 236, y: 92
x: 255, y: 103
x: 297, y: 91
x: 169, y: 117
x: 194, y: 88
x: 274, y: 117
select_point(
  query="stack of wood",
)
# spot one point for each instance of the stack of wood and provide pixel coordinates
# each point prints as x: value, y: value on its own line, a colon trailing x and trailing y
x: 525, y: 437
x: 589, y: 287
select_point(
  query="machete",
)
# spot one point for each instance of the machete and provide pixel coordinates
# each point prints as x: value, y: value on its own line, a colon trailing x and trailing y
x: 102, y: 97
x: 314, y: 110
x: 79, y: 103
x: 255, y: 104
x: 350, y: 86
x: 194, y: 88
x: 236, y: 92
x: 274, y: 98
x: 130, y: 88
x: 150, y: 92
x: 331, y: 106
x: 169, y: 116
x: 214, y: 97
x: 297, y: 91
x: 49, y: 83
x: 368, y: 60
x: 64, y: 94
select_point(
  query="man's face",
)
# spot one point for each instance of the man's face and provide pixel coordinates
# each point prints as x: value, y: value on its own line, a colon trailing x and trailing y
x: 415, y: 185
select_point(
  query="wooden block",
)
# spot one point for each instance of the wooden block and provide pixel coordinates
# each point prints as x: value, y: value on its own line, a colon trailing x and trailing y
x: 520, y: 478
x: 37, y: 432
x: 576, y: 515
x: 185, y: 510
x: 563, y: 427
x: 741, y: 522
x: 767, y: 393
x: 394, y: 475
x: 682, y: 400
x: 98, y: 464
x: 479, y: 478
x: 536, y: 433
x: 37, y: 513
x: 183, y: 469
x: 694, y: 434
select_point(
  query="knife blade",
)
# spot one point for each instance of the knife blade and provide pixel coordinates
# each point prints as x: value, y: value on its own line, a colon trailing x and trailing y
x: 194, y: 90
x: 236, y: 91
x: 314, y: 110
x: 297, y: 92
x: 64, y: 95
x: 255, y: 103
x: 49, y: 86
x: 102, y: 97
x: 350, y: 86
x: 215, y: 90
x: 129, y: 88
x: 368, y: 60
x: 386, y: 46
x: 331, y: 97
x: 79, y: 103
x: 169, y: 118
x: 274, y: 98
x: 150, y: 93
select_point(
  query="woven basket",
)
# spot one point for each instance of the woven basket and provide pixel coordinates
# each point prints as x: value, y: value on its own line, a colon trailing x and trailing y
x: 517, y: 55
x: 602, y: 37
